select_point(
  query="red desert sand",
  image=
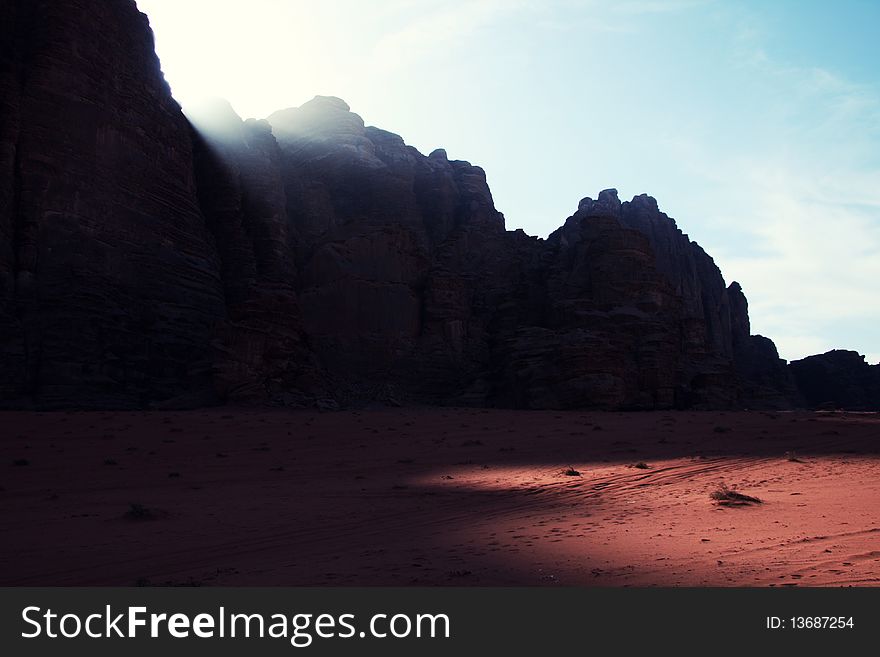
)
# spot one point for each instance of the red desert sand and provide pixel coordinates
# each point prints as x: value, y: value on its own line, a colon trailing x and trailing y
x: 439, y: 497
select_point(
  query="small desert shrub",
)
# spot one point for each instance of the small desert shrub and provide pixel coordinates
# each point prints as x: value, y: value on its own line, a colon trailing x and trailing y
x: 730, y: 497
x: 571, y: 472
x: 641, y: 465
x: 791, y: 456
x: 137, y: 511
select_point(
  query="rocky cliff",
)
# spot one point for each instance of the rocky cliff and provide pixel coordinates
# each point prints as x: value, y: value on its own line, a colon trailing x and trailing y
x: 402, y: 285
x: 109, y: 285
x: 149, y: 258
x: 838, y: 379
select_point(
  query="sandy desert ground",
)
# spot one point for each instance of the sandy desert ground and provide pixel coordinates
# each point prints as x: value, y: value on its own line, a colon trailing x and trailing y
x: 438, y: 497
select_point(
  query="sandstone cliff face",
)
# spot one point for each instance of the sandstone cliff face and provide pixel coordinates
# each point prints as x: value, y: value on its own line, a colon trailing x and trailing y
x: 410, y: 286
x: 310, y: 259
x: 591, y: 322
x: 259, y: 351
x: 109, y: 286
x: 705, y: 325
x: 12, y: 358
x: 389, y: 245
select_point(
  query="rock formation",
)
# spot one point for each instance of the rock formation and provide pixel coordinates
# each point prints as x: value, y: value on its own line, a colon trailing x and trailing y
x: 109, y: 284
x: 147, y: 258
x: 763, y: 379
x: 838, y: 379
x: 259, y: 350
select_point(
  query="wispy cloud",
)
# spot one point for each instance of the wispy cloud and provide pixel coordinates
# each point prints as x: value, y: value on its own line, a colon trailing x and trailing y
x: 444, y: 23
x: 810, y: 206
x: 439, y: 25
x: 793, y: 200
x: 635, y: 7
x: 818, y: 265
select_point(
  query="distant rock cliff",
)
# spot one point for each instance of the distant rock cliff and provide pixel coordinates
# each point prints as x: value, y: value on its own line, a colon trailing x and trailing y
x: 838, y: 379
x: 309, y: 259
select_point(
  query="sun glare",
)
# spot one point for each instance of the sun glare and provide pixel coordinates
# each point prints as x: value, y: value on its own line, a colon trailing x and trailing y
x: 262, y: 56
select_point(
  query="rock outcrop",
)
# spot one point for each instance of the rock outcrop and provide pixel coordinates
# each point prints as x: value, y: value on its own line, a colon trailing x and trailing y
x: 597, y: 324
x: 763, y: 379
x: 838, y: 379
x: 147, y: 259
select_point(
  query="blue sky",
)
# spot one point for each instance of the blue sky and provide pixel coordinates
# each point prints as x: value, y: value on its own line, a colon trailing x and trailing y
x: 756, y: 125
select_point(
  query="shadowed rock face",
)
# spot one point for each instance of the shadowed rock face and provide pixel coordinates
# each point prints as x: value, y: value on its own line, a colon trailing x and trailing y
x: 763, y: 379
x: 396, y: 252
x: 109, y: 285
x: 598, y: 325
x: 259, y: 351
x: 309, y: 258
x: 410, y: 289
x: 838, y: 379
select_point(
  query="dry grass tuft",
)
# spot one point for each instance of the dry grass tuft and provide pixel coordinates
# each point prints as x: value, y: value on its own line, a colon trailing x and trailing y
x: 729, y: 497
